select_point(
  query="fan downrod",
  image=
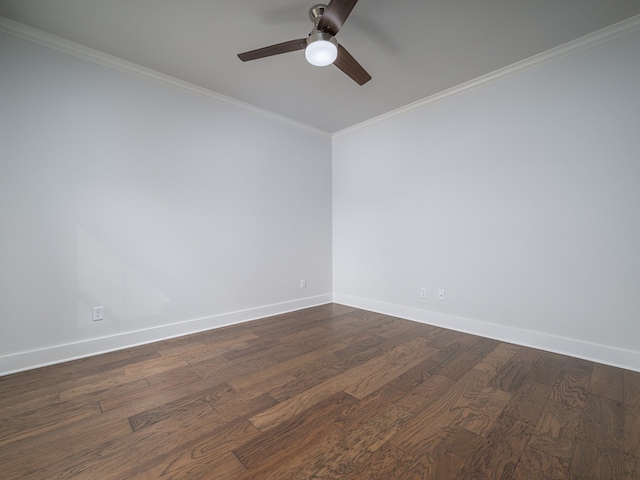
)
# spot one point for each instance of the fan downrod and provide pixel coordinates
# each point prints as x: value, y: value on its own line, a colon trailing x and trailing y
x: 316, y: 12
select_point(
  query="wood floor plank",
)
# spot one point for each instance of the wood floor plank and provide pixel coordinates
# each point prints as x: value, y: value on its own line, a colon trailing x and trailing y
x: 632, y: 389
x: 43, y: 420
x: 607, y: 381
x: 497, y: 358
x: 599, y: 443
x: 546, y: 369
x: 291, y: 437
x: 557, y: 430
x: 119, y: 364
x: 359, y: 443
x: 46, y: 388
x: 448, y: 354
x: 321, y: 357
x: 326, y: 392
x: 45, y: 379
x: 457, y: 366
x: 201, y: 399
x: 482, y: 410
x: 387, y: 367
x: 232, y: 404
x: 445, y: 456
x: 360, y: 357
x: 217, y: 466
x: 294, y: 406
x: 632, y: 431
x: 498, y: 456
x: 108, y: 461
x: 632, y: 468
x: 27, y: 403
x: 438, y: 414
x: 100, y: 390
x: 323, y: 439
x: 632, y: 413
x: 537, y: 465
x: 153, y: 366
x: 217, y: 346
x: 572, y: 386
x: 512, y: 375
x: 209, y: 457
x: 482, y: 346
x: 414, y: 376
x: 183, y: 351
x: 441, y: 338
x: 528, y: 356
x: 292, y: 388
x: 387, y: 463
x: 153, y: 395
x: 369, y: 407
x: 425, y: 393
x: 33, y: 457
x: 178, y: 375
x: 527, y: 403
x: 358, y: 381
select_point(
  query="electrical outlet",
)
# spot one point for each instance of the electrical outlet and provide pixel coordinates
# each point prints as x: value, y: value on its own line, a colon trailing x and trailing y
x: 303, y: 283
x: 441, y: 295
x: 423, y: 292
x: 97, y: 313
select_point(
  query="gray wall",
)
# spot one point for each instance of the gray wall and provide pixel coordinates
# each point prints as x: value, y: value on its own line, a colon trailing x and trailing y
x: 521, y: 199
x: 180, y: 213
x: 174, y: 212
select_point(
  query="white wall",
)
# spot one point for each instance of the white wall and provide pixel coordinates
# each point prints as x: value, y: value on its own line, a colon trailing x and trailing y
x: 174, y: 212
x: 521, y: 199
x: 178, y: 213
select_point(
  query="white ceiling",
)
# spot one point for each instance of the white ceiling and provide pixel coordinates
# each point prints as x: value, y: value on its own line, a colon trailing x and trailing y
x: 412, y: 48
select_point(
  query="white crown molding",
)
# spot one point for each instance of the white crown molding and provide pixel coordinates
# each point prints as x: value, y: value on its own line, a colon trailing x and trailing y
x: 72, y: 48
x: 28, y: 360
x: 606, y: 34
x: 40, y: 37
x: 605, y: 354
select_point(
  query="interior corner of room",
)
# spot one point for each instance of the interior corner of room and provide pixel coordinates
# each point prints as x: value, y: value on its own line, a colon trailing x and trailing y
x: 179, y: 212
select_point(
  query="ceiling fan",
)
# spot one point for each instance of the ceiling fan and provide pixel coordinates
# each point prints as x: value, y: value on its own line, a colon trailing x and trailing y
x: 320, y: 46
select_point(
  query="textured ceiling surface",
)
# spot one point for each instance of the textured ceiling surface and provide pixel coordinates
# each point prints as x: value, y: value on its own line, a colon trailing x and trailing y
x: 412, y: 48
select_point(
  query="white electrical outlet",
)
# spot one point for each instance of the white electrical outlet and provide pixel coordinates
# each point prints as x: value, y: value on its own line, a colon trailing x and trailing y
x: 423, y: 292
x: 303, y: 283
x: 441, y: 295
x: 97, y: 313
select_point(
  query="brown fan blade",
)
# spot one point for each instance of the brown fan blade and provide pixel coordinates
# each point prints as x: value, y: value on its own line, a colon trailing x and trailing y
x: 284, y: 47
x: 351, y: 67
x: 335, y: 15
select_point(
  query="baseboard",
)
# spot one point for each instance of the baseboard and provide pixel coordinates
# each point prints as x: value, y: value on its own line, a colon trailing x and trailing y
x: 21, y: 361
x: 605, y: 354
x: 61, y: 353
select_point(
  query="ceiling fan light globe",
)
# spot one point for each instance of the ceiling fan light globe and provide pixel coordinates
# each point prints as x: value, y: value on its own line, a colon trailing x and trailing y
x: 321, y: 53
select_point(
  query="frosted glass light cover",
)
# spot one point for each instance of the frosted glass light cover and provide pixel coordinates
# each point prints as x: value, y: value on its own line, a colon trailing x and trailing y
x: 321, y: 53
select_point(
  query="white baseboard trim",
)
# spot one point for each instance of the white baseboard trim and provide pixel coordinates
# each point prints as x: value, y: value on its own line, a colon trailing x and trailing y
x: 28, y: 360
x: 605, y: 354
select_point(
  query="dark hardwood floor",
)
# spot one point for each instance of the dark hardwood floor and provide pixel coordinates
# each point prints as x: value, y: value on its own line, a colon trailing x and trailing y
x: 330, y: 392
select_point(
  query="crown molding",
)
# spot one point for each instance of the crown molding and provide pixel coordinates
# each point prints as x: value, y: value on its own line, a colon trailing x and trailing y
x: 600, y: 36
x: 72, y: 48
x: 60, y: 44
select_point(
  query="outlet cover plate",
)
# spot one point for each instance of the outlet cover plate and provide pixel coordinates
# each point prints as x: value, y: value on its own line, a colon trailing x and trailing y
x: 97, y: 313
